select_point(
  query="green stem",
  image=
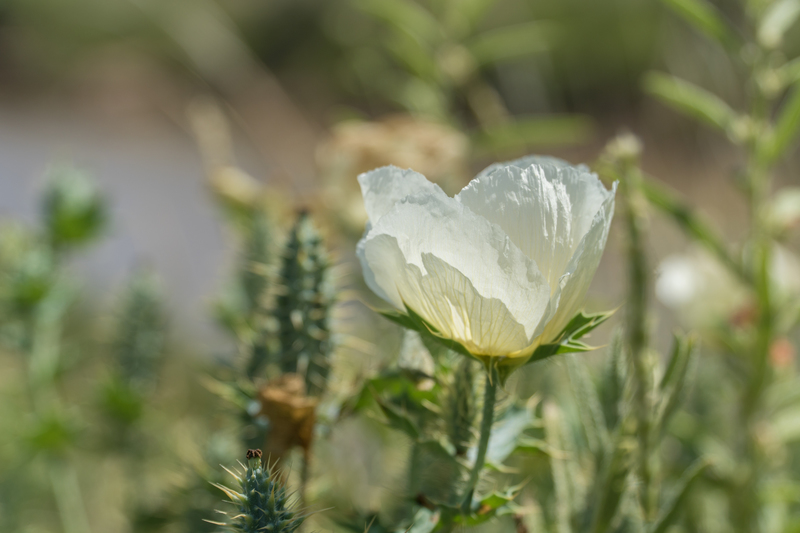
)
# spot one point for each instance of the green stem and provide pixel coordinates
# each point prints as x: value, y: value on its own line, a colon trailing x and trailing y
x: 745, y: 507
x: 67, y: 493
x: 489, y: 398
x: 637, y: 330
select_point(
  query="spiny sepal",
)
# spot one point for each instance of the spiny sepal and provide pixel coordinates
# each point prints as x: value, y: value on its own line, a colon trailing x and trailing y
x: 262, y: 502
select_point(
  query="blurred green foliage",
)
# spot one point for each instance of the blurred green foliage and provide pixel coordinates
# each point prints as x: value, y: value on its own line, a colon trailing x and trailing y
x: 106, y: 425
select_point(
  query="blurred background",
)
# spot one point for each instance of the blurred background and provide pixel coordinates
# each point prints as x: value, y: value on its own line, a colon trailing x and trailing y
x: 107, y: 86
x: 183, y: 112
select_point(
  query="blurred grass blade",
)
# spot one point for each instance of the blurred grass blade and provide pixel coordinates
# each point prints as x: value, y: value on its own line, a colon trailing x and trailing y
x: 412, y: 53
x: 692, y: 224
x: 610, y: 486
x: 786, y: 129
x: 614, y: 382
x: 673, y: 383
x: 404, y: 15
x: 473, y: 10
x: 589, y: 408
x: 538, y: 131
x: 671, y: 509
x: 690, y: 99
x: 780, y: 16
x: 564, y: 490
x: 790, y: 72
x: 512, y: 42
x: 705, y: 18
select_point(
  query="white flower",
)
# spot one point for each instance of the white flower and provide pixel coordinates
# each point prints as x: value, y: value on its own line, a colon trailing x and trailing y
x: 502, y: 267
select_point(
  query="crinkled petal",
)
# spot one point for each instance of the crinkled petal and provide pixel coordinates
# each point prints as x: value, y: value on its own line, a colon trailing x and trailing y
x: 525, y: 162
x: 383, y: 187
x: 545, y: 209
x: 579, y: 272
x: 459, y: 272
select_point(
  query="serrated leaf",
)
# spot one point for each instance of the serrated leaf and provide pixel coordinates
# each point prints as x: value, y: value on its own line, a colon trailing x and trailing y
x: 580, y: 325
x: 690, y: 99
x: 706, y: 18
x: 511, y: 42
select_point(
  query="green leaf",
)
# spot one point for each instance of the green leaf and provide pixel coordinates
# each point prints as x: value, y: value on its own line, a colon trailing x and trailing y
x: 610, y: 484
x: 705, y: 18
x: 398, y: 318
x: 472, y: 10
x: 398, y: 420
x: 435, y: 474
x: 671, y: 509
x: 613, y: 384
x: 535, y: 131
x: 690, y: 100
x: 673, y: 383
x: 414, y: 55
x: 506, y: 434
x: 424, y: 522
x: 404, y: 15
x: 580, y: 325
x: 786, y: 128
x: 589, y: 408
x: 562, y: 464
x: 512, y: 42
x: 780, y: 16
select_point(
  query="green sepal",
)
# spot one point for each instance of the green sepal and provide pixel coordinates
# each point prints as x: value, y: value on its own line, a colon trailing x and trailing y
x: 413, y: 321
x: 580, y: 325
x: 569, y: 342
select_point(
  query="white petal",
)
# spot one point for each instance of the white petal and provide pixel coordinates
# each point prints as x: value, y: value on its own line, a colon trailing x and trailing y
x: 459, y: 272
x: 384, y: 187
x: 528, y: 160
x: 580, y: 270
x: 545, y: 209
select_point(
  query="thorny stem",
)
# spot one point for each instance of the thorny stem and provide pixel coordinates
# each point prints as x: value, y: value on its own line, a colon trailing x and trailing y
x: 636, y: 329
x: 489, y: 398
x: 744, y: 507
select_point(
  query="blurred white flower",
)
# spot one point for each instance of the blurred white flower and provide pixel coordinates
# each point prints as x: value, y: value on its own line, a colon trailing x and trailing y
x: 500, y: 268
x: 703, y: 293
